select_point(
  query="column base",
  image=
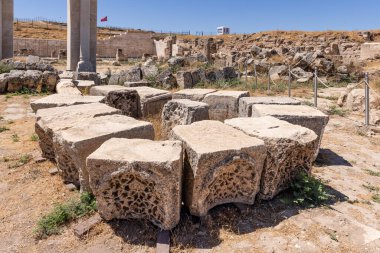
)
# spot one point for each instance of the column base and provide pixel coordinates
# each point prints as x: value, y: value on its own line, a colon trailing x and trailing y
x: 85, y: 66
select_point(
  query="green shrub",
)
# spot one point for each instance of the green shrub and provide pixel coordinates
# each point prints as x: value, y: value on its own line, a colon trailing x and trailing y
x: 3, y: 129
x: 4, y: 68
x: 309, y: 191
x: 34, y: 137
x: 334, y: 110
x: 63, y: 214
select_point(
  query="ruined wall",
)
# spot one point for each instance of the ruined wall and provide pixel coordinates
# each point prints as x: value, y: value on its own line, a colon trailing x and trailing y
x: 370, y: 51
x: 132, y: 44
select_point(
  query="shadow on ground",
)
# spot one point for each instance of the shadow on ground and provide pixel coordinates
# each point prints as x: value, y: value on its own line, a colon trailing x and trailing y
x: 192, y: 233
x: 327, y: 157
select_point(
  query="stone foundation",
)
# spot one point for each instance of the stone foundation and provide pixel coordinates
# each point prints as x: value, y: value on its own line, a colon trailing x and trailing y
x: 246, y: 103
x: 193, y: 94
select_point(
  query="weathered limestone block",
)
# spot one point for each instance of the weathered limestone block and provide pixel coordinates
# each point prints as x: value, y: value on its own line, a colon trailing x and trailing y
x: 103, y: 90
x: 193, y: 94
x: 304, y: 116
x: 184, y: 79
x: 152, y: 100
x: 67, y: 87
x: 15, y: 80
x: 74, y: 144
x: 85, y: 85
x: 55, y: 119
x: 290, y: 150
x: 49, y: 80
x: 182, y: 112
x: 245, y: 104
x: 58, y: 100
x: 224, y: 104
x: 222, y: 165
x: 138, y: 179
x: 128, y: 101
x: 136, y: 84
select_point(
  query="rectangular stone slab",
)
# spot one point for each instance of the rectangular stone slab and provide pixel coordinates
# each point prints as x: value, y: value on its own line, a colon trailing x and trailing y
x: 222, y: 165
x: 182, y: 112
x: 245, y: 104
x: 291, y: 150
x: 152, y: 100
x: 74, y: 144
x: 301, y: 115
x: 57, y: 100
x: 192, y: 94
x: 103, y: 90
x: 138, y: 179
x: 58, y: 118
x: 224, y: 104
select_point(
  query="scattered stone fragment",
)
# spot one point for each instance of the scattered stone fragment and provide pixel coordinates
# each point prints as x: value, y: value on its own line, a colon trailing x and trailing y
x: 74, y: 144
x: 182, y: 112
x: 57, y: 100
x: 67, y: 87
x: 151, y: 100
x: 85, y: 226
x: 184, y: 79
x: 53, y: 171
x: 290, y: 150
x: 40, y: 159
x: 224, y: 104
x: 193, y: 94
x: 71, y: 187
x: 222, y: 165
x: 305, y: 116
x: 245, y: 104
x: 55, y: 119
x: 129, y: 183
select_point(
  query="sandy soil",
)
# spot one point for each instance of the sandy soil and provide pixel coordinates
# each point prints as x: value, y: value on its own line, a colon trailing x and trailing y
x: 350, y: 223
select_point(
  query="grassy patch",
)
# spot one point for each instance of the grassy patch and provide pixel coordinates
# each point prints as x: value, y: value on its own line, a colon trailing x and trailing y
x: 15, y: 138
x: 376, y: 198
x: 334, y: 110
x: 63, y: 214
x: 309, y: 191
x: 24, y: 159
x: 34, y: 137
x: 373, y: 173
x: 4, y: 68
x: 371, y: 188
x: 3, y: 129
x: 308, y: 103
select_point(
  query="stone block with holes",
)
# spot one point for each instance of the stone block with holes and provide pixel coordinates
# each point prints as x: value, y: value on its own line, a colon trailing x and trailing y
x: 245, y: 104
x: 224, y: 104
x: 182, y: 112
x: 152, y: 100
x: 290, y: 150
x: 192, y: 94
x: 52, y: 120
x: 301, y: 115
x: 138, y: 179
x: 222, y: 165
x: 75, y: 143
x: 57, y: 100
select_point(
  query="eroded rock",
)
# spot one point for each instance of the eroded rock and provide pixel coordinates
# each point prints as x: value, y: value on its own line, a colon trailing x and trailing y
x: 246, y: 103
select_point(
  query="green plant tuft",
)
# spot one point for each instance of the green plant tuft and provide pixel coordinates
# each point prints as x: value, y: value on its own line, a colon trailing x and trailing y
x: 3, y: 129
x: 63, y: 214
x: 373, y: 173
x: 34, y: 137
x: 15, y: 138
x: 334, y: 110
x: 309, y: 191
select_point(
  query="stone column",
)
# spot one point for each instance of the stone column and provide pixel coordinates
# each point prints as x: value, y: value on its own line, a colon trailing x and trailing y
x: 6, y: 17
x: 81, y: 35
x: 84, y: 64
x: 73, y: 34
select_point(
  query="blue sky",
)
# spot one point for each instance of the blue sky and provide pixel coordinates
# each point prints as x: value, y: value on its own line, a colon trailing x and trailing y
x: 242, y: 16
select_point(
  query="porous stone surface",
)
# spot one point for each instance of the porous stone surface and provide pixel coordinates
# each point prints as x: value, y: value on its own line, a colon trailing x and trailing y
x: 224, y: 104
x: 290, y: 150
x: 182, y: 112
x: 152, y: 100
x: 128, y: 101
x: 58, y: 100
x: 301, y: 115
x: 245, y: 104
x: 55, y: 119
x: 128, y: 183
x: 192, y: 94
x: 222, y: 165
x: 75, y: 143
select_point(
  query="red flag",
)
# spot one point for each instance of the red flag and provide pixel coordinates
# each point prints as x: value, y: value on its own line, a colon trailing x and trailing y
x: 105, y: 19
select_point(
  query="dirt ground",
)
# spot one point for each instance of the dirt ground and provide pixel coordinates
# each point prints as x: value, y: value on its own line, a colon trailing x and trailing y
x: 350, y: 223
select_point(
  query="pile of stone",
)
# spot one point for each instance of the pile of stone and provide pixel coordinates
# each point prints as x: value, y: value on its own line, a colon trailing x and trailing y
x: 205, y: 163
